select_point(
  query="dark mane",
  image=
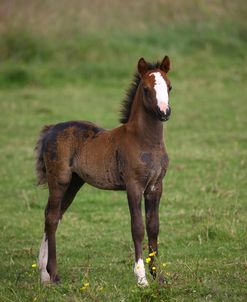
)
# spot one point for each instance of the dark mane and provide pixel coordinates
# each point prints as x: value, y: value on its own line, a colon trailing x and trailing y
x: 130, y: 94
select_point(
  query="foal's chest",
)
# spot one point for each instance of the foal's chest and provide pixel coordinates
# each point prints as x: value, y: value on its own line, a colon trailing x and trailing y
x: 146, y: 166
x: 154, y: 164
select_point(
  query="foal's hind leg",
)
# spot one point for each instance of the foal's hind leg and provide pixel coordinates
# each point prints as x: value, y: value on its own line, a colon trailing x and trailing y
x: 47, y: 255
x: 73, y: 187
x: 75, y: 184
x: 52, y: 216
x: 152, y: 199
x: 59, y: 177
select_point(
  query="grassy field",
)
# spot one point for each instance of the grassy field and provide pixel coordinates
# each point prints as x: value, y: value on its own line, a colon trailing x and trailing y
x: 66, y: 61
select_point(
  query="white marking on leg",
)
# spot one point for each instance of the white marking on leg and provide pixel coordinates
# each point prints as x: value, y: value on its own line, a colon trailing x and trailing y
x: 43, y: 257
x: 161, y: 90
x: 139, y: 271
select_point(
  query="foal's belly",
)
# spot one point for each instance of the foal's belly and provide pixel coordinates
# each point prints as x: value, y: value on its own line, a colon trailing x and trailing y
x: 105, y: 184
x: 102, y: 181
x: 97, y: 165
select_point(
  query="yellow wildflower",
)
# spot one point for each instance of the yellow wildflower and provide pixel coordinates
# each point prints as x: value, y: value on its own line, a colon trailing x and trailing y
x: 148, y: 259
x: 152, y: 254
x: 168, y: 274
x: 153, y: 268
x: 85, y: 286
x: 34, y: 265
x: 164, y: 264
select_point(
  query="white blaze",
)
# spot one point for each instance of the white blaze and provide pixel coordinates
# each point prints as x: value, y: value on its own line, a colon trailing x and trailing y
x: 139, y: 271
x: 161, y: 90
x: 43, y: 257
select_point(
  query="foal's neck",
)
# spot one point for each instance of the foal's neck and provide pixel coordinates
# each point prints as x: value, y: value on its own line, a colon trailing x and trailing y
x: 143, y: 123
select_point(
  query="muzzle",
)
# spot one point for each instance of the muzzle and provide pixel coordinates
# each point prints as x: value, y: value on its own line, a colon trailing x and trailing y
x: 164, y: 116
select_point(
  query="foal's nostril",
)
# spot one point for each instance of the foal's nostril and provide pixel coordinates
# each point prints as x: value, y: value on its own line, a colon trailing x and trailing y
x: 168, y: 111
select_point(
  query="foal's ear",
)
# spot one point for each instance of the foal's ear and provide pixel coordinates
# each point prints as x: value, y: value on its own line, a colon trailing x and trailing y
x: 142, y: 66
x: 165, y: 64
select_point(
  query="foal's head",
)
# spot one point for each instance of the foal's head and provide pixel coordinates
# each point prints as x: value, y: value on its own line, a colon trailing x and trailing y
x: 155, y: 88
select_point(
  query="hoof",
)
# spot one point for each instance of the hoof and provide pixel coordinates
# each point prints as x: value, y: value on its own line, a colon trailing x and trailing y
x: 142, y: 282
x: 45, y: 277
x: 55, y: 279
x: 139, y: 271
x: 153, y: 273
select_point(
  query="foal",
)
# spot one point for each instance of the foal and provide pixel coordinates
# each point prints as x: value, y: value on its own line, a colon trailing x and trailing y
x: 131, y: 157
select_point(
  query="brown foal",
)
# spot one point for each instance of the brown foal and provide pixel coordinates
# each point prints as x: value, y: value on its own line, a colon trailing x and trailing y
x: 131, y: 157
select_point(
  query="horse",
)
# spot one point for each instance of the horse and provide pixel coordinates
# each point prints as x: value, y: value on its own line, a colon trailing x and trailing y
x: 131, y: 157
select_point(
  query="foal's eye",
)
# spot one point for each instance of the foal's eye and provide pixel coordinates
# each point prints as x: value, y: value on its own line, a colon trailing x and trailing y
x: 145, y: 89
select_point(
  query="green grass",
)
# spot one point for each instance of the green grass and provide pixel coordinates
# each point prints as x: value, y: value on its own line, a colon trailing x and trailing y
x: 45, y: 78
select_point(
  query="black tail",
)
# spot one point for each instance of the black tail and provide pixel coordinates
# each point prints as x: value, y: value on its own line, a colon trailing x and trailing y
x: 40, y: 164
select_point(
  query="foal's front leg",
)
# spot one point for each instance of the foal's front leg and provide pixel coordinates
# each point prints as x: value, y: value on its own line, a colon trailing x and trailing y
x: 137, y: 229
x: 152, y: 197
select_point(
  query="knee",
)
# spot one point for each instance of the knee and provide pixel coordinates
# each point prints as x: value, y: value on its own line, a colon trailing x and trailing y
x: 138, y: 232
